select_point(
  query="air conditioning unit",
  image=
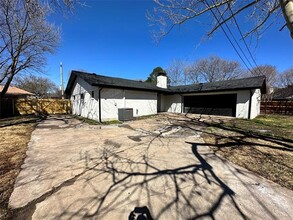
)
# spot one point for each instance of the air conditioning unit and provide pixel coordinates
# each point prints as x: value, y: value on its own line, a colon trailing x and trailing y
x: 125, y: 114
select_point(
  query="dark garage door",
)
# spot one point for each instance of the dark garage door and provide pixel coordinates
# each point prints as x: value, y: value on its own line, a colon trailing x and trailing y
x: 211, y: 104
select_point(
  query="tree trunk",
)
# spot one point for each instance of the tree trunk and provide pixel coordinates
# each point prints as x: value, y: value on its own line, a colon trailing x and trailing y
x: 6, y: 86
x: 287, y: 8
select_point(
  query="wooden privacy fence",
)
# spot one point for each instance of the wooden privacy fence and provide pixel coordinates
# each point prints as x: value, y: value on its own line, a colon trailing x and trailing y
x: 277, y: 107
x: 43, y: 106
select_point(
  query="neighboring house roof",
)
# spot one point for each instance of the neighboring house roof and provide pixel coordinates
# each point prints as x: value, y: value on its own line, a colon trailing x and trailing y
x: 14, y: 91
x: 105, y: 81
x: 283, y: 93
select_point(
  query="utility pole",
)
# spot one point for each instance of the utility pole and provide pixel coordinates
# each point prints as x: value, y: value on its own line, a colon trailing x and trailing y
x: 61, y: 79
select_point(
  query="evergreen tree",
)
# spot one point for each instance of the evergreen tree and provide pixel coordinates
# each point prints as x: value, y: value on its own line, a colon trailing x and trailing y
x: 152, y: 78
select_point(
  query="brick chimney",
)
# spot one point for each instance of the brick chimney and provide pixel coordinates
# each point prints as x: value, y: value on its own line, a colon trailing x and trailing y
x: 162, y: 80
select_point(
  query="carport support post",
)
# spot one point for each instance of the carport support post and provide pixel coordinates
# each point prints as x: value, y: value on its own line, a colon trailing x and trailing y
x: 249, y: 106
x: 100, y: 108
x: 182, y: 103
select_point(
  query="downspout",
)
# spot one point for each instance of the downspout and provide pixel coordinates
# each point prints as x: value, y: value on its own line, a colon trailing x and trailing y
x: 249, y: 107
x: 100, y: 108
x: 124, y: 99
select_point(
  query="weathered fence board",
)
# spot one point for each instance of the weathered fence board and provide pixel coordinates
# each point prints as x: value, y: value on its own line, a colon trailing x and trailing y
x: 277, y: 107
x: 43, y: 106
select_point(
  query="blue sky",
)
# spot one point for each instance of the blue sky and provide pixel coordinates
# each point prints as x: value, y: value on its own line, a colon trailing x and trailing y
x: 113, y: 38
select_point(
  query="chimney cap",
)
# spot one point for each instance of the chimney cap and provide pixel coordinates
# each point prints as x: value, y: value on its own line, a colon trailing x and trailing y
x: 161, y: 74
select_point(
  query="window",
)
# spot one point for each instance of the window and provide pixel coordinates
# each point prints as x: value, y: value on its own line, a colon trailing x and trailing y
x: 82, y: 97
x: 93, y: 94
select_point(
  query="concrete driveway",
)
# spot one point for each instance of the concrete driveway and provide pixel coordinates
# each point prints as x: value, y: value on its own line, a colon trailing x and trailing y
x: 78, y: 171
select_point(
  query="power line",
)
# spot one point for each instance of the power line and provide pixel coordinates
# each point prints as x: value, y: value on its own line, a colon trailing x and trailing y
x: 249, y: 51
x: 229, y: 37
x: 221, y: 17
x: 234, y: 38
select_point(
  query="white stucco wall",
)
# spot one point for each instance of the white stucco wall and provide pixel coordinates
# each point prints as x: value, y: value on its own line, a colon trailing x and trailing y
x: 255, y: 105
x: 171, y: 103
x: 162, y: 81
x: 242, y: 107
x: 89, y: 106
x: 242, y: 104
x: 143, y: 103
x: 111, y: 100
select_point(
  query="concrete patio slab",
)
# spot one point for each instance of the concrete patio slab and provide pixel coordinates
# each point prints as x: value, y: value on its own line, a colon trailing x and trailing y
x: 78, y: 171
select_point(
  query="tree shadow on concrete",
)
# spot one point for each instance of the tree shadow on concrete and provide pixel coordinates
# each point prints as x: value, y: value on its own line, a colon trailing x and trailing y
x: 191, y: 191
x: 140, y: 177
x: 231, y: 139
x: 180, y: 200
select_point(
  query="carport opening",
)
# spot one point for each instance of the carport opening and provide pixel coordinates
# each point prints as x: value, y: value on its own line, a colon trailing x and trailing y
x: 224, y: 104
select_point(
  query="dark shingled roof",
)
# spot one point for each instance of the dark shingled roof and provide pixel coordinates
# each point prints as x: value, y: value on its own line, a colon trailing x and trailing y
x: 113, y: 82
x: 235, y: 84
x: 106, y: 81
x: 283, y: 93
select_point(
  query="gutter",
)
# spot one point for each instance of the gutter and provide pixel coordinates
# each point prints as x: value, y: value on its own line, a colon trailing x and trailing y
x: 100, y: 108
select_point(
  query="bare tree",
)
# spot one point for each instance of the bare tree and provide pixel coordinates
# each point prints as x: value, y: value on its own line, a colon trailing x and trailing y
x: 213, y: 69
x: 26, y: 36
x: 266, y: 70
x: 261, y: 13
x: 177, y: 73
x: 286, y: 78
x: 40, y: 86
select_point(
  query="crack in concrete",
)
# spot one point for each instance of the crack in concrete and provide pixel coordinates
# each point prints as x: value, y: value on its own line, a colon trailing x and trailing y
x: 27, y: 211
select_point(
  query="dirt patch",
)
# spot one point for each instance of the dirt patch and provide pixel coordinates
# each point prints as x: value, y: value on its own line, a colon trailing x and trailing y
x: 15, y: 133
x: 263, y: 145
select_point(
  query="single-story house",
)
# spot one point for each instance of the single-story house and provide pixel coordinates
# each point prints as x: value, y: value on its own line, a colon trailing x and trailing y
x: 283, y: 94
x: 99, y: 97
x: 7, y: 103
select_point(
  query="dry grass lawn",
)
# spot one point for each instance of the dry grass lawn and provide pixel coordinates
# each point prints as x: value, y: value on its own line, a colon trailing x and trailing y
x: 263, y: 145
x: 15, y: 134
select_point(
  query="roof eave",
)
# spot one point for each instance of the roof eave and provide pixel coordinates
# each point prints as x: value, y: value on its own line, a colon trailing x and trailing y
x: 216, y: 90
x: 131, y: 88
